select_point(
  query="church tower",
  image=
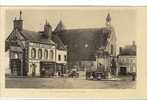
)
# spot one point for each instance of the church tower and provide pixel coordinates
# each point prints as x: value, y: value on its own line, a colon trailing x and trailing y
x: 18, y: 23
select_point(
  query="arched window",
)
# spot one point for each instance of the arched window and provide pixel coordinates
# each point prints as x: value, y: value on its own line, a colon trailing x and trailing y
x: 33, y: 53
x: 51, y: 54
x: 16, y: 55
x: 40, y: 53
x: 59, y: 57
x: 65, y: 58
x: 46, y: 54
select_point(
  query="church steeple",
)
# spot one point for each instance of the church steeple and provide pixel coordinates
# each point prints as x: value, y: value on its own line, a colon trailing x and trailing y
x: 59, y: 27
x: 108, y: 20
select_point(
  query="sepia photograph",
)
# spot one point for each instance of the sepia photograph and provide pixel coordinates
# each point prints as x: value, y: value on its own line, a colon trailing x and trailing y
x: 71, y: 48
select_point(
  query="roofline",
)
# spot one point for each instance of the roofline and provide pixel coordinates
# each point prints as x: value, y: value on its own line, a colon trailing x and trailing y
x: 42, y: 43
x: 9, y: 35
x: 126, y: 55
x: 83, y: 28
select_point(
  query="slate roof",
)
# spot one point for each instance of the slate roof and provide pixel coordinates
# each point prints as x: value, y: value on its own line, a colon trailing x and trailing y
x: 60, y: 44
x: 129, y: 50
x: 83, y: 43
x: 35, y: 37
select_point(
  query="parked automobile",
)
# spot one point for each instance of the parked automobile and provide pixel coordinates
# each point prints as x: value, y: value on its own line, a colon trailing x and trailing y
x: 73, y: 74
x: 95, y: 75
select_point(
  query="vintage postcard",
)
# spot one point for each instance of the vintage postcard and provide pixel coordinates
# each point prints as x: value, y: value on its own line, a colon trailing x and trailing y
x: 71, y: 51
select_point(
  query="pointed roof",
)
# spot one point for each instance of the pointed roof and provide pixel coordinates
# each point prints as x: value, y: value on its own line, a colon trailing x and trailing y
x: 108, y: 18
x: 59, y: 27
x: 59, y: 42
x: 47, y: 23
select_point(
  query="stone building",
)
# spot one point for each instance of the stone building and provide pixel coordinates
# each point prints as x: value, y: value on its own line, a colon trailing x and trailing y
x: 127, y: 59
x: 89, y: 47
x: 35, y: 53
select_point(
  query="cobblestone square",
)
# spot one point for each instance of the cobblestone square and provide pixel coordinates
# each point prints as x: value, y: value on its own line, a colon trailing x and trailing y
x: 68, y: 83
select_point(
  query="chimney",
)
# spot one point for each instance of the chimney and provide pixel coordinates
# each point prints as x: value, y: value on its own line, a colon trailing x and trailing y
x: 47, y: 30
x: 18, y: 23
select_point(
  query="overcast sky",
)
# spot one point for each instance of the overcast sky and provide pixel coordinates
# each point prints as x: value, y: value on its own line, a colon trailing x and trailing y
x: 123, y: 20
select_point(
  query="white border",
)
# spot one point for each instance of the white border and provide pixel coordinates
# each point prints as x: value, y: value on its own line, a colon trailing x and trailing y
x: 76, y: 2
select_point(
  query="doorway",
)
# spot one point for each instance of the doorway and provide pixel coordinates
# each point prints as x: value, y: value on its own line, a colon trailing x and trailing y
x: 33, y: 70
x: 123, y: 70
x: 15, y: 65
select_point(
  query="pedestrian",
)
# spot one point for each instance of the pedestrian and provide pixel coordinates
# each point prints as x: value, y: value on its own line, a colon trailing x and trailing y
x: 133, y: 76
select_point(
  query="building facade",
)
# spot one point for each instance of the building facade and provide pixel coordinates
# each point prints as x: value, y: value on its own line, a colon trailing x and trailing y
x: 127, y: 59
x: 89, y: 47
x: 35, y: 53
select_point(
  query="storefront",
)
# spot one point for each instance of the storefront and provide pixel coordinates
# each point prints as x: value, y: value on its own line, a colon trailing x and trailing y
x: 61, y: 69
x: 16, y: 61
x: 47, y: 68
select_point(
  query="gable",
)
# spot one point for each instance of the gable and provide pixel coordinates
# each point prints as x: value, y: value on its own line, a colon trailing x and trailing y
x: 15, y: 35
x: 14, y: 39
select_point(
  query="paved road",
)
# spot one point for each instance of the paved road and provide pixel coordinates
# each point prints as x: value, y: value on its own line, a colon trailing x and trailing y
x: 67, y: 83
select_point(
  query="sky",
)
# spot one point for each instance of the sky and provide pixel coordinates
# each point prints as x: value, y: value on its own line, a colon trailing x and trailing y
x: 122, y: 19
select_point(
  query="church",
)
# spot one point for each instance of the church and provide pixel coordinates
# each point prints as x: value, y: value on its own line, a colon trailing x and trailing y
x: 90, y: 47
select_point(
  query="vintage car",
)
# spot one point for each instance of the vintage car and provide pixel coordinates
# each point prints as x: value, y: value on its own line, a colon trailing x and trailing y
x: 95, y: 75
x: 73, y: 74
